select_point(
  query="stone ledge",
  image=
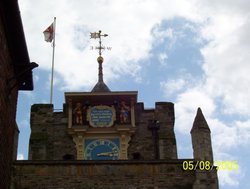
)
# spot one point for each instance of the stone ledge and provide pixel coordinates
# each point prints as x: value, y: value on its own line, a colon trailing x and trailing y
x: 100, y: 162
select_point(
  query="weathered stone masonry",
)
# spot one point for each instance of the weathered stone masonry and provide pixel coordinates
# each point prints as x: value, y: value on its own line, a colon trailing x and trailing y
x: 163, y: 174
x: 49, y: 139
x: 102, y: 175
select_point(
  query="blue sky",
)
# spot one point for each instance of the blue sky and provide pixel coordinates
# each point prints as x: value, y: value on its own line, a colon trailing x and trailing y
x: 192, y: 53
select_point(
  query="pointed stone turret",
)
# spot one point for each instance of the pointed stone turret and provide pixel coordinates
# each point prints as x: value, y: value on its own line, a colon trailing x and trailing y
x: 202, y: 150
x: 200, y: 121
x: 100, y: 86
x: 201, y: 139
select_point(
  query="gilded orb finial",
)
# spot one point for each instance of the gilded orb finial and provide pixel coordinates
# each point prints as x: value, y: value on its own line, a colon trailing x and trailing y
x: 100, y: 59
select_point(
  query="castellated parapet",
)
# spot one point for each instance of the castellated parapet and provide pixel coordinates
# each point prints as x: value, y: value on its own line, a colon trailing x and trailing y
x: 148, y: 139
x: 49, y: 139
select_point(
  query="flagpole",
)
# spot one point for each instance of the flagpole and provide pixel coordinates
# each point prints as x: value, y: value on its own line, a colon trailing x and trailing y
x: 53, y: 58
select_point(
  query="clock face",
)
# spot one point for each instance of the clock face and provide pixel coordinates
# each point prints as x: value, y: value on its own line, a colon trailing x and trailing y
x: 102, y: 149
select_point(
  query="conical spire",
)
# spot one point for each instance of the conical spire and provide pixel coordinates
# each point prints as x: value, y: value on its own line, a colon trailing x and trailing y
x: 201, y: 139
x: 100, y: 86
x: 200, y: 121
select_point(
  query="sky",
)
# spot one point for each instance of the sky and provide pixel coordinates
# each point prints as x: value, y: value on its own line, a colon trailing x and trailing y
x: 193, y: 53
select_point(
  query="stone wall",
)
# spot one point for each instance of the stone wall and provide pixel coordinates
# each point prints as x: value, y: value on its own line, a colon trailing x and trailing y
x: 8, y: 101
x: 141, y: 144
x: 142, y: 141
x: 102, y: 175
x: 164, y: 113
x: 49, y: 139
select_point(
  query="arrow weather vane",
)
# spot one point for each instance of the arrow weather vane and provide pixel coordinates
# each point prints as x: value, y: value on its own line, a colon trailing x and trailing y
x: 96, y: 35
x: 100, y: 86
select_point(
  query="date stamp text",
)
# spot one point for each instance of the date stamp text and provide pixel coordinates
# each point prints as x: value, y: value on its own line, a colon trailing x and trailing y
x: 208, y: 166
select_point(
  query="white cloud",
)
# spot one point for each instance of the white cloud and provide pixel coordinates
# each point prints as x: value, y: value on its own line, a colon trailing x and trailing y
x: 229, y: 177
x: 173, y: 86
x: 160, y: 34
x: 186, y: 106
x: 228, y: 137
x: 225, y: 137
x: 227, y: 55
x: 129, y: 26
x: 243, y: 131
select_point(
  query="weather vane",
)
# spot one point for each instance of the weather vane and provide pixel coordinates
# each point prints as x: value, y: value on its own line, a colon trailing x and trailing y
x: 96, y: 35
x: 100, y: 86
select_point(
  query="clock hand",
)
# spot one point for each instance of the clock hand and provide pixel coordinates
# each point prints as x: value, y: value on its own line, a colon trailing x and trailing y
x: 106, y: 154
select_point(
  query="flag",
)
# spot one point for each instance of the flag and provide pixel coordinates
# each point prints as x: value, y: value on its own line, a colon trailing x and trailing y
x: 49, y: 33
x: 95, y: 35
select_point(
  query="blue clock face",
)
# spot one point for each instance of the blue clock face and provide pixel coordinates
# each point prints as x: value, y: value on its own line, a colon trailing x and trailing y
x: 102, y: 149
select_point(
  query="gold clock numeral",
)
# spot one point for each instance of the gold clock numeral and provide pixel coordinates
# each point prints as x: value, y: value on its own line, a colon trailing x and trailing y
x: 102, y: 142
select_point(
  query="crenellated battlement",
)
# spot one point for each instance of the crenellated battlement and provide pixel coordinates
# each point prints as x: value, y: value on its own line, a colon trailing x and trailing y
x: 146, y: 135
x: 49, y: 131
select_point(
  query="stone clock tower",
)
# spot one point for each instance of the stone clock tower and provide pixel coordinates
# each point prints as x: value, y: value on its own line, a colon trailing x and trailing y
x: 101, y: 123
x: 107, y: 139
